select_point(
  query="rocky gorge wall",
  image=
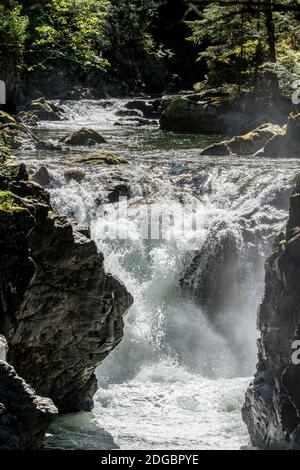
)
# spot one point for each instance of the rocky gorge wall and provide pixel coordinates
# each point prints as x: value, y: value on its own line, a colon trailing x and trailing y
x: 24, y: 416
x: 272, y: 405
x: 60, y: 312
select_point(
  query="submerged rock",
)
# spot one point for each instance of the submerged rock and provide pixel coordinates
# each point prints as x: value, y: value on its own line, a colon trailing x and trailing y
x: 75, y: 175
x: 129, y: 113
x: 60, y: 312
x: 99, y: 158
x: 24, y: 416
x: 247, y: 144
x: 120, y: 190
x: 135, y: 122
x: 83, y: 136
x: 272, y: 405
x: 147, y: 109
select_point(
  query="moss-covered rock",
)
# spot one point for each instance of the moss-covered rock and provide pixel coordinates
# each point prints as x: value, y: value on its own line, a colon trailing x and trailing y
x: 16, y: 136
x: 11, y: 175
x: 99, y: 158
x: 287, y: 143
x: 9, y: 202
x: 20, y: 136
x: 6, y: 118
x: 83, y: 136
x: 221, y: 110
x: 45, y: 110
x: 247, y: 144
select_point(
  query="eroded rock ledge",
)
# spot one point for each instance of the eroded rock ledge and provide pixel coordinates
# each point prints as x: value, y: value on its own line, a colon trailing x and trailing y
x: 60, y: 312
x: 272, y: 406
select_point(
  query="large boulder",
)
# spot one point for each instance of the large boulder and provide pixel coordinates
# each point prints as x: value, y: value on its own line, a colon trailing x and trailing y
x: 83, y: 136
x: 185, y: 115
x: 287, y: 142
x: 45, y: 110
x: 24, y: 416
x: 247, y: 144
x: 272, y: 405
x: 60, y: 312
x: 222, y: 111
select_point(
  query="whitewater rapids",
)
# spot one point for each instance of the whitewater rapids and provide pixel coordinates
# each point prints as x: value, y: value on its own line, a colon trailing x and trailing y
x: 177, y: 380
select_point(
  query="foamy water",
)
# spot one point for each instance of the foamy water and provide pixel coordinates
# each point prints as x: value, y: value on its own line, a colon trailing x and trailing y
x: 178, y: 378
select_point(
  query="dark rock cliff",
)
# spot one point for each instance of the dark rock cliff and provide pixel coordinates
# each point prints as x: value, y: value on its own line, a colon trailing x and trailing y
x: 24, y: 416
x: 272, y: 406
x: 60, y: 312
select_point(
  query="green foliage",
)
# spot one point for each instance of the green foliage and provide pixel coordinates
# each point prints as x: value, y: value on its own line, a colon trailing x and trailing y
x: 13, y: 27
x: 86, y: 33
x: 9, y: 202
x: 129, y: 24
x: 71, y: 30
x: 234, y: 45
x: 287, y: 67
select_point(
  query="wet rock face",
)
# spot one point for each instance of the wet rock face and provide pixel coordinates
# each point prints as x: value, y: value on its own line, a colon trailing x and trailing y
x: 24, y: 416
x: 272, y: 405
x: 212, y: 270
x: 60, y: 312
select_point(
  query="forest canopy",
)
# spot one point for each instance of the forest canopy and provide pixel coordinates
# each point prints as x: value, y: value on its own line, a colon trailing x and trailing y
x: 240, y: 42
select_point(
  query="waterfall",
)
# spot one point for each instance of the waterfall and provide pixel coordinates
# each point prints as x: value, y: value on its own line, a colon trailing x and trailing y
x: 178, y: 377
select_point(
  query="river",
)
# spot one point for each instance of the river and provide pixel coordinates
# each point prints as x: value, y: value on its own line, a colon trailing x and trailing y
x: 178, y: 378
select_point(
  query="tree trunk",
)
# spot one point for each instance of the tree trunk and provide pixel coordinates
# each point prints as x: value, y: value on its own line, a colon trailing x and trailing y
x: 271, y: 39
x: 270, y: 30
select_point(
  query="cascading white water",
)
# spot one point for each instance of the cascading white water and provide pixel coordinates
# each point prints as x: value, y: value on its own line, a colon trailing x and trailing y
x: 174, y: 381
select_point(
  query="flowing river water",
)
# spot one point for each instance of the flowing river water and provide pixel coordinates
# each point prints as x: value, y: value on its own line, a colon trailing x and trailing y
x: 178, y: 378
